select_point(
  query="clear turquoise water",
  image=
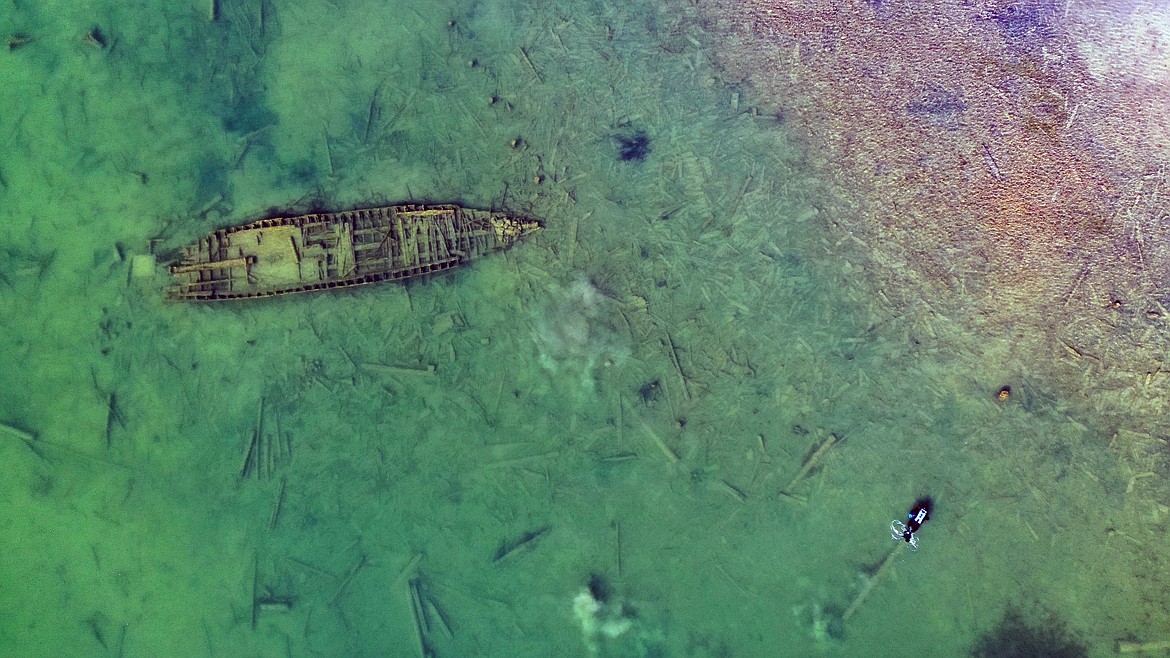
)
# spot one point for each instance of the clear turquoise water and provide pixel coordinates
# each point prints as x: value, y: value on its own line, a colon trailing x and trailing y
x: 622, y: 398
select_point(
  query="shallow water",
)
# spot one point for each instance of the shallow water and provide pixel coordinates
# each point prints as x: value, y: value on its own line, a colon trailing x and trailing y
x: 596, y: 433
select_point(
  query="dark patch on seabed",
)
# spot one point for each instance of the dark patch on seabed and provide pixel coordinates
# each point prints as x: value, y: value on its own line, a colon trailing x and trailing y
x: 939, y: 107
x: 1027, y: 25
x: 633, y: 144
x: 242, y: 106
x: 1035, y: 633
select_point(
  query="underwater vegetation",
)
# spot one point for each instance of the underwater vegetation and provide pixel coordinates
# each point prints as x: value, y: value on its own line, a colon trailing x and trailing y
x: 633, y: 146
x: 1036, y: 634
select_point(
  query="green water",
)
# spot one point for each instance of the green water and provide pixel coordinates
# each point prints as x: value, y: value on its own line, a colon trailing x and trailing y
x: 623, y: 397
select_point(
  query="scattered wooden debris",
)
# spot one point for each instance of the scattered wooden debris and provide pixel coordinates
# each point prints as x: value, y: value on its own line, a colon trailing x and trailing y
x: 264, y: 600
x: 409, y: 371
x: 274, y: 603
x: 277, y: 506
x: 810, y: 464
x: 427, y: 615
x: 113, y: 416
x: 869, y: 584
x: 349, y: 576
x: 409, y: 571
x: 18, y: 40
x: 678, y: 365
x: 436, y: 612
x: 524, y: 54
x: 40, y: 447
x: 671, y: 455
x: 418, y: 614
x: 255, y: 591
x: 731, y: 490
x: 795, y: 498
x: 527, y: 540
x: 28, y: 438
x: 992, y: 165
x: 1126, y: 646
x: 266, y: 452
x: 617, y: 547
x: 620, y: 457
x: 96, y: 38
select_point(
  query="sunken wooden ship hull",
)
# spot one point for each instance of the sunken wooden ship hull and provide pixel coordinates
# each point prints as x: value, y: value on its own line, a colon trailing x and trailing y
x: 323, y: 251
